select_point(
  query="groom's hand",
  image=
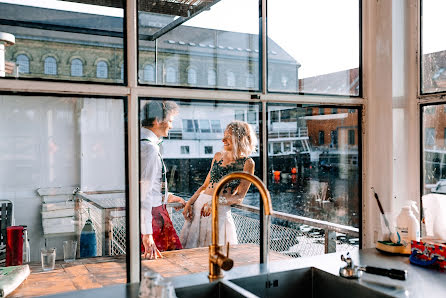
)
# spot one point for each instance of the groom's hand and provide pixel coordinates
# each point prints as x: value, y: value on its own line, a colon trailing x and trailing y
x: 176, y: 199
x: 150, y: 250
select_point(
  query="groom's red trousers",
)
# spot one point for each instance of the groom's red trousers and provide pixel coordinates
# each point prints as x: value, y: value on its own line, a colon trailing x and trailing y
x: 164, y: 233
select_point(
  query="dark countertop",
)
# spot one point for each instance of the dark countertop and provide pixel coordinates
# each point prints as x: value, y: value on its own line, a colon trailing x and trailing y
x: 421, y: 282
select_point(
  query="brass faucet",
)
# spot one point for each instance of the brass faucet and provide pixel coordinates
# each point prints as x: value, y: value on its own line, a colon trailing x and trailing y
x: 217, y: 260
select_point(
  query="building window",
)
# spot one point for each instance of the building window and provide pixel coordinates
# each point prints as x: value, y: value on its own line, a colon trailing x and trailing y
x: 77, y: 68
x: 149, y: 73
x: 188, y: 125
x: 102, y: 70
x: 284, y: 81
x: 239, y: 115
x: 184, y: 149
x: 216, y: 126
x: 309, y: 112
x: 50, y: 66
x: 321, y: 138
x: 171, y: 75
x: 250, y: 81
x: 334, y: 111
x: 212, y: 77
x: 230, y: 79
x: 192, y: 76
x: 275, y: 116
x: 334, y: 139
x: 252, y: 117
x: 208, y: 150
x: 351, y: 136
x: 277, y: 148
x: 321, y: 111
x: 429, y: 137
x: 23, y: 63
x: 205, y: 126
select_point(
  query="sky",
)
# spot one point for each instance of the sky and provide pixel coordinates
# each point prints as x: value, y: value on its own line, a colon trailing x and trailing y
x: 322, y: 42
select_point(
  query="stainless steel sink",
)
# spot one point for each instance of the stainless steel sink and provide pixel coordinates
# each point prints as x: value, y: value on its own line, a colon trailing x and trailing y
x: 216, y: 289
x: 306, y: 282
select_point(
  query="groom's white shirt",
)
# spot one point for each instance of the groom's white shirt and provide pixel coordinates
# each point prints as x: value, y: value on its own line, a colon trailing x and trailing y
x: 151, y: 172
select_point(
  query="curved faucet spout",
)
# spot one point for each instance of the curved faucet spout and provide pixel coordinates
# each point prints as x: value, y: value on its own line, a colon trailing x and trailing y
x: 216, y: 258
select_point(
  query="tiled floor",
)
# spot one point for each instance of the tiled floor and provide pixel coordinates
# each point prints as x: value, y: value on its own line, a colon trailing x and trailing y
x: 104, y: 271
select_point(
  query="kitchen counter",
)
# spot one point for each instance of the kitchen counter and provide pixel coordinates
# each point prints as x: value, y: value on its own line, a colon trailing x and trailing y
x: 421, y: 282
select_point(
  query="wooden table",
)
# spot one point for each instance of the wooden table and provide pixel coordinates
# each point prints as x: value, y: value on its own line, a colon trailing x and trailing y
x: 103, y: 271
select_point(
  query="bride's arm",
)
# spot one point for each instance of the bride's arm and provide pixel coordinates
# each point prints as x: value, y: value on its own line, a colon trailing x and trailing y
x: 187, y: 212
x: 241, y: 190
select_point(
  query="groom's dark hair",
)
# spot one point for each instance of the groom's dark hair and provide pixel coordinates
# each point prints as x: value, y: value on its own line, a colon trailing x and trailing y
x: 157, y: 110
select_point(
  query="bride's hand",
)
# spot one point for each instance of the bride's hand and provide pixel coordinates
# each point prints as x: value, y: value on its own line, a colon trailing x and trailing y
x: 187, y: 212
x: 206, y: 210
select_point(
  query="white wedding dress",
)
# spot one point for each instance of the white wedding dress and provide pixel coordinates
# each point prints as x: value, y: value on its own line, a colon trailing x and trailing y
x: 198, y: 232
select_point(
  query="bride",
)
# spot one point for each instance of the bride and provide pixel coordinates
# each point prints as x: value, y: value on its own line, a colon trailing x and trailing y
x: 239, y: 142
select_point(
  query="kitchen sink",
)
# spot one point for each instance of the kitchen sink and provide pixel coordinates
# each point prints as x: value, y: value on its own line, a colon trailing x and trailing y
x: 306, y: 282
x: 216, y: 289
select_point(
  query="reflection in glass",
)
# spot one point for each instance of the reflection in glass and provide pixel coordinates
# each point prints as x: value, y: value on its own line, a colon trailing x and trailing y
x: 54, y: 147
x: 433, y: 45
x: 321, y: 47
x: 51, y: 35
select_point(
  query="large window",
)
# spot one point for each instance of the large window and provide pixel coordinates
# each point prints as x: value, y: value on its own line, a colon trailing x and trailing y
x: 220, y: 51
x: 322, y: 56
x: 307, y: 177
x: 63, y: 173
x: 52, y: 32
x: 433, y: 47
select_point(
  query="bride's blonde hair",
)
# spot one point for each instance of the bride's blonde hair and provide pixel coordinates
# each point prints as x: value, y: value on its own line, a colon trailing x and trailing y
x: 244, y: 140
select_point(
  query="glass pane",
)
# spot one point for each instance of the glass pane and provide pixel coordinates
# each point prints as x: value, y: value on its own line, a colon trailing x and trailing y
x: 311, y: 49
x: 63, y: 173
x: 50, y: 35
x: 313, y: 172
x: 197, y: 46
x: 434, y: 149
x: 188, y: 155
x: 433, y: 46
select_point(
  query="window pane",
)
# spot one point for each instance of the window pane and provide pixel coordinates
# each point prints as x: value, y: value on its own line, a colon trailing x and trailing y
x: 222, y: 54
x: 434, y: 148
x: 51, y: 148
x: 299, y: 34
x: 433, y: 45
x: 188, y: 161
x: 313, y: 172
x: 53, y: 33
x: 149, y: 73
x: 76, y: 68
x: 216, y: 127
x: 23, y: 63
x: 102, y: 70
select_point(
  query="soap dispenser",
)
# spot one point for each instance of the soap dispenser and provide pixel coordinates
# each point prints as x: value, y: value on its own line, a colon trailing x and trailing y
x: 407, y: 226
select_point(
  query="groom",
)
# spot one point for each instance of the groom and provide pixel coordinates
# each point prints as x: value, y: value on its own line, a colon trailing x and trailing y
x: 158, y: 233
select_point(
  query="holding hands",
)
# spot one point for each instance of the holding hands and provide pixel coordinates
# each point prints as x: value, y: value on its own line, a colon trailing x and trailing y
x: 151, y: 252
